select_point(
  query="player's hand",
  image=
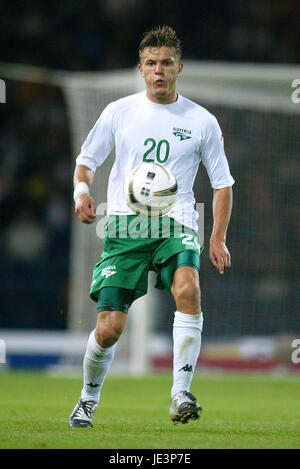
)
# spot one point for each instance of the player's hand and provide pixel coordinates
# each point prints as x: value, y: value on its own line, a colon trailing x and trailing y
x: 85, y: 208
x: 219, y: 255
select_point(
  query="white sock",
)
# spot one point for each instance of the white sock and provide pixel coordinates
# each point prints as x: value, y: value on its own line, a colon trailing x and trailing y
x: 96, y: 363
x: 187, y: 330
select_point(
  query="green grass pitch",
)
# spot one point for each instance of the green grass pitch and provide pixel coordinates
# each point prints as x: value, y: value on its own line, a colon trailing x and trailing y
x: 239, y: 411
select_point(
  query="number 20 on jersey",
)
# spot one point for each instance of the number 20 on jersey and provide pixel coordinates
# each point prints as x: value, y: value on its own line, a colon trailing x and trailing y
x: 156, y: 151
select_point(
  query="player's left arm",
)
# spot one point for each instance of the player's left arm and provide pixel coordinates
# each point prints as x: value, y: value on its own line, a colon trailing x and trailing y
x: 222, y: 207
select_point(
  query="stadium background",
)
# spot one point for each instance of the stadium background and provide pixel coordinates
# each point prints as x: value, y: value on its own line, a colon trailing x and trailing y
x: 260, y: 295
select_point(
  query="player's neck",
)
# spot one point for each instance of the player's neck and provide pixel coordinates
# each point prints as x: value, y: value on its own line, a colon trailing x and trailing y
x: 171, y: 98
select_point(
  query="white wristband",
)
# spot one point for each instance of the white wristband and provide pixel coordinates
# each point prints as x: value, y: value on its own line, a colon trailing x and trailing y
x: 81, y: 188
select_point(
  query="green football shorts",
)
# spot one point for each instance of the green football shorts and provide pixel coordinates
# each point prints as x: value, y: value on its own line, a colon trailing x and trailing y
x: 132, y: 248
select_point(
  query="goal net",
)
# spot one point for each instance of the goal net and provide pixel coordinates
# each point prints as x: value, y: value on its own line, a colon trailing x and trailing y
x: 260, y: 123
x: 260, y: 120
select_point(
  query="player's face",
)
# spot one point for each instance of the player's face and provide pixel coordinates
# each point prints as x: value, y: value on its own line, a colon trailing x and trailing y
x: 160, y: 67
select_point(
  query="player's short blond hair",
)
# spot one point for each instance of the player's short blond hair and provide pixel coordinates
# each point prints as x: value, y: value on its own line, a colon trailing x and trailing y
x: 159, y: 37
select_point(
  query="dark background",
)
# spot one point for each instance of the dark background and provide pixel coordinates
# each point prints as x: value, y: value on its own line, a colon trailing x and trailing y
x: 98, y: 35
x: 261, y: 292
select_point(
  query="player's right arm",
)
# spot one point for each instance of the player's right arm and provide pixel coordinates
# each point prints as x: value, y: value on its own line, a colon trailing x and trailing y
x: 85, y: 207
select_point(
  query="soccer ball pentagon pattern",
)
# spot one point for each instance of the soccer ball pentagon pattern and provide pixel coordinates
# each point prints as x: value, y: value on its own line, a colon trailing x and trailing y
x: 150, y: 190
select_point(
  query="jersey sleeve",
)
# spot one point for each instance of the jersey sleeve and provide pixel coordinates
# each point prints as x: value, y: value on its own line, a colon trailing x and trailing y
x: 213, y: 156
x: 99, y: 142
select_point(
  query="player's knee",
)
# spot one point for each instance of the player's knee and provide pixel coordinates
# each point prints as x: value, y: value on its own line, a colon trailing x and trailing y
x: 188, y: 294
x: 107, y: 336
x: 108, y: 329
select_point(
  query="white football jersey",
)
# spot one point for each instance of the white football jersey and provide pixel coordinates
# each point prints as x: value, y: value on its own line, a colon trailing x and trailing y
x: 178, y: 135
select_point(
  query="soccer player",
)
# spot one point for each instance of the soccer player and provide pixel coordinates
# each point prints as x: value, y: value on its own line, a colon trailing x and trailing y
x: 157, y: 125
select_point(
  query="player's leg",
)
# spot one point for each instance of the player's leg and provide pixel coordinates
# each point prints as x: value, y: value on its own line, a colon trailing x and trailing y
x: 100, y: 352
x: 118, y: 279
x: 187, y: 328
x: 186, y: 289
x: 180, y: 275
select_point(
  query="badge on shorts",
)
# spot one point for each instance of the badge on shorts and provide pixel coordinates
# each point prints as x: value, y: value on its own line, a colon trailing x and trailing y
x: 108, y: 271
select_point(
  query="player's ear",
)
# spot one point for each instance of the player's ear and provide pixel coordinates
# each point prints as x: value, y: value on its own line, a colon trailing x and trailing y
x: 141, y: 70
x: 180, y: 68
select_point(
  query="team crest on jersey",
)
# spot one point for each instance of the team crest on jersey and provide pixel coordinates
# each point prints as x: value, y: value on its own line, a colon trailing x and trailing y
x: 182, y: 134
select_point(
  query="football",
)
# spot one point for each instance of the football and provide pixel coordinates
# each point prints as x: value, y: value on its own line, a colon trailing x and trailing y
x: 150, y: 190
